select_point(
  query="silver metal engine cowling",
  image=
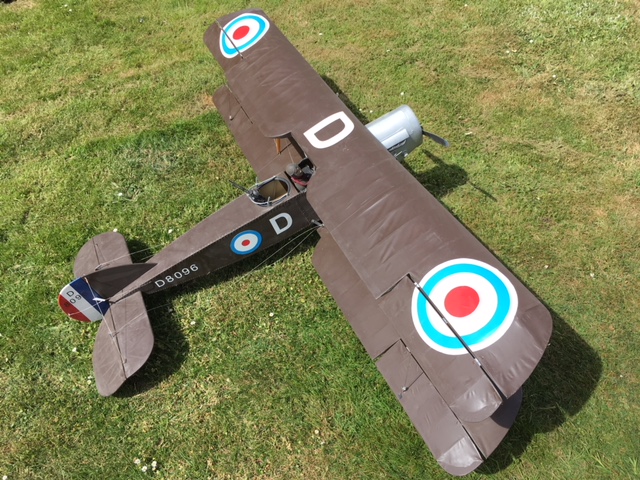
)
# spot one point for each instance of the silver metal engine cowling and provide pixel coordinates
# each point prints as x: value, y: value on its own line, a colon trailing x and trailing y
x: 399, y: 131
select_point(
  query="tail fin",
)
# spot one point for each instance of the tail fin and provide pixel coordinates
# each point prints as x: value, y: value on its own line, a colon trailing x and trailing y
x: 81, y: 302
x: 85, y: 299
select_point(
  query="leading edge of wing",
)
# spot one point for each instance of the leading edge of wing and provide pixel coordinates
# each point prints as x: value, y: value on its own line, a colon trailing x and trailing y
x: 459, y: 445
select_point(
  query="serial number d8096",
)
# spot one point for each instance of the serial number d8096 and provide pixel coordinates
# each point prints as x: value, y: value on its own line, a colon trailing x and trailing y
x: 176, y: 276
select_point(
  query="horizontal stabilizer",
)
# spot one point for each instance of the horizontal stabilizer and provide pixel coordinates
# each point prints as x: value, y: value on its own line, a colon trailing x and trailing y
x: 123, y: 344
x: 105, y: 250
x: 125, y: 339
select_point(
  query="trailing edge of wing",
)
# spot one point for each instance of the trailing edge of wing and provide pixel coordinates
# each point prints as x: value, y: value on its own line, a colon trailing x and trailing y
x: 459, y: 446
x: 267, y: 156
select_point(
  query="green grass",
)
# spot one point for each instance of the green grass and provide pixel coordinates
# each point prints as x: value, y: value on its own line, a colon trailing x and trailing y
x: 106, y: 122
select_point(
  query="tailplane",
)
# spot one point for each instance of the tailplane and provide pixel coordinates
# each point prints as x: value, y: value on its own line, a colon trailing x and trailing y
x: 125, y: 339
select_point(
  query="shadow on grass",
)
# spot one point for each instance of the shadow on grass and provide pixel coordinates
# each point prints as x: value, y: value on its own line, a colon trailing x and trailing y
x: 566, y: 376
x: 444, y: 178
x: 559, y: 387
x: 346, y: 100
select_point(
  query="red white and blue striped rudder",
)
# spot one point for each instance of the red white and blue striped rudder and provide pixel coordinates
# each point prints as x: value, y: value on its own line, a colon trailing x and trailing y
x: 81, y: 302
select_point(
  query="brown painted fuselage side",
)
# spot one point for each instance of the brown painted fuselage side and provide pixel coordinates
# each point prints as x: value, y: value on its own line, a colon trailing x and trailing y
x: 239, y: 229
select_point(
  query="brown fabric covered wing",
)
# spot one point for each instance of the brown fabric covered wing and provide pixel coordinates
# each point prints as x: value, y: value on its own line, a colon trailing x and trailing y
x: 382, y: 232
x: 385, y: 222
x: 451, y: 403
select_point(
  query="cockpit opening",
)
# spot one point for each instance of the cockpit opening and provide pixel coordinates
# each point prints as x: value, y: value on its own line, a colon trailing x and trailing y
x: 270, y: 192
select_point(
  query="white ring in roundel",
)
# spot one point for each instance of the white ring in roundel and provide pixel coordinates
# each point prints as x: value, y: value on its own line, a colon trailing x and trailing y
x: 246, y: 242
x: 498, y: 303
x: 257, y: 26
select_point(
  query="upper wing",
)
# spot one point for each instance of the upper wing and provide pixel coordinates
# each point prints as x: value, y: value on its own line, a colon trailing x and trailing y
x: 270, y: 92
x: 453, y: 406
x: 385, y: 234
x: 279, y: 91
x: 445, y: 398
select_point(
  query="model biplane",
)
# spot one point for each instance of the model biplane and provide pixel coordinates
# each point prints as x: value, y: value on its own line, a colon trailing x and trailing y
x: 453, y: 332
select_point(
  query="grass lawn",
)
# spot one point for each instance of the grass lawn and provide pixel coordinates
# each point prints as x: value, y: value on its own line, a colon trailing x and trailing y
x: 106, y: 122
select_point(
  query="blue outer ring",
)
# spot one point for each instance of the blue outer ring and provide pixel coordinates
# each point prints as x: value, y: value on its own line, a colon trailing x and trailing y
x: 229, y: 49
x: 472, y: 339
x: 256, y: 247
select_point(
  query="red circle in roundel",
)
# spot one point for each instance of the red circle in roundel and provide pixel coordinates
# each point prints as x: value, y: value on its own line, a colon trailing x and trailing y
x: 245, y: 243
x: 240, y: 32
x: 461, y: 301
